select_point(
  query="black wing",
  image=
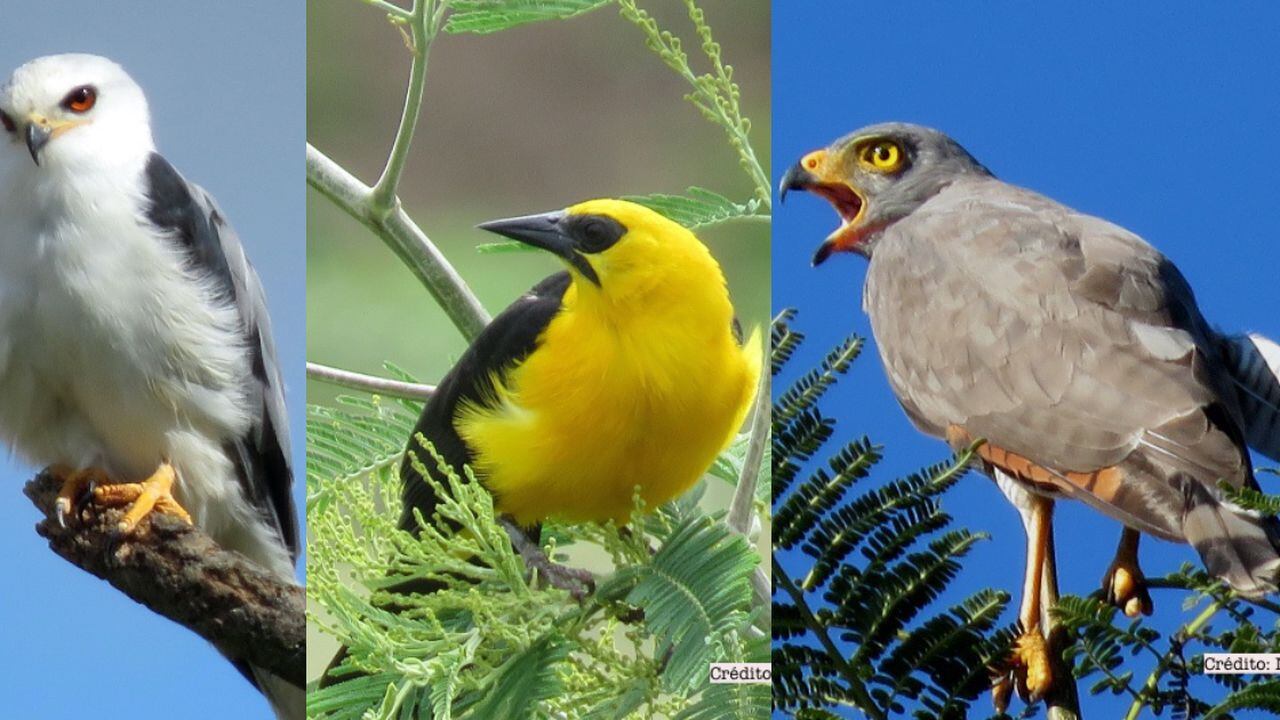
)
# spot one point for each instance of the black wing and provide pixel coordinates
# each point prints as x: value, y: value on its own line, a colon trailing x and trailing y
x: 506, y: 341
x: 193, y: 221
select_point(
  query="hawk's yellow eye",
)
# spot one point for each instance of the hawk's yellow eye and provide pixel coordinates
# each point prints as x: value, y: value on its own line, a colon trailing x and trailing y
x: 883, y: 155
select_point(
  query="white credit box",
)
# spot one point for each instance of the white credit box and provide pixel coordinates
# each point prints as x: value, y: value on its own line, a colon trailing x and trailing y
x: 740, y: 673
x: 1241, y: 664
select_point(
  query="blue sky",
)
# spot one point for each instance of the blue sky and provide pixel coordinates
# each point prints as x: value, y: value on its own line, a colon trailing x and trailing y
x: 227, y: 93
x: 1159, y: 117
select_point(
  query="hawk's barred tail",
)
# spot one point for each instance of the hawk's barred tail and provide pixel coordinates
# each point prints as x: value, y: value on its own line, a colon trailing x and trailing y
x: 1236, y: 545
x: 1254, y: 364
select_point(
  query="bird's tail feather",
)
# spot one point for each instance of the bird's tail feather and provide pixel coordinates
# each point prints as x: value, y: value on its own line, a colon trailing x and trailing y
x: 288, y: 701
x: 1236, y: 545
x: 1254, y: 364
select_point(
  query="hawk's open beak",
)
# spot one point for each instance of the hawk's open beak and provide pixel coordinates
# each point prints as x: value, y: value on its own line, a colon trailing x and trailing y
x: 814, y: 174
x: 544, y: 231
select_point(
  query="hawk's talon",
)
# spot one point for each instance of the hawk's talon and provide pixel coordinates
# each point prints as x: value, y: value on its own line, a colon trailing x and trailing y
x: 1126, y: 588
x: 1029, y: 671
x: 1032, y: 652
x: 1124, y: 585
x: 155, y: 494
x: 1001, y: 691
x: 76, y: 492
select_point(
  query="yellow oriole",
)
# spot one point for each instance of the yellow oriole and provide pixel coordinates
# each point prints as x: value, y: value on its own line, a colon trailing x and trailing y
x: 624, y: 371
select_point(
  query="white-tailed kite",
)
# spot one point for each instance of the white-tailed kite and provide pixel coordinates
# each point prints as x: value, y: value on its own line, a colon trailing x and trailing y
x: 136, y: 355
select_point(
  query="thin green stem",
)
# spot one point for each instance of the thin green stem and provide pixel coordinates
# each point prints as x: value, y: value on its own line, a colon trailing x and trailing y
x: 1153, y: 680
x: 405, y: 239
x: 423, y: 23
x: 726, y: 100
x: 393, y: 10
x: 1167, y: 583
x: 716, y: 97
x: 741, y: 509
x: 855, y: 685
x: 764, y: 219
x: 742, y: 506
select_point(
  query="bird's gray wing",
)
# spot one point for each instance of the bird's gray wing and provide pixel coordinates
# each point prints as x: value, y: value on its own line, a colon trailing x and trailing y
x: 262, y: 457
x: 1066, y: 342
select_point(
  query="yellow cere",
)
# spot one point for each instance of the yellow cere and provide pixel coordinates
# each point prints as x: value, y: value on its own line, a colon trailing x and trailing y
x: 637, y: 382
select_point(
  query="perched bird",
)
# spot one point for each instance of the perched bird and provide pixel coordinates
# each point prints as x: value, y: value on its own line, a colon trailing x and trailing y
x: 136, y: 356
x: 624, y: 371
x: 1070, y: 346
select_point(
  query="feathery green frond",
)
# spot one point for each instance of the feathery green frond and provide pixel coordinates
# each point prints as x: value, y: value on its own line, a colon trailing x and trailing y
x: 866, y: 632
x: 1113, y: 652
x: 693, y: 594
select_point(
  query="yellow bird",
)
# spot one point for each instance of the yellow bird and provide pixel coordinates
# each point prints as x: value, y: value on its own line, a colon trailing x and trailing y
x: 624, y: 371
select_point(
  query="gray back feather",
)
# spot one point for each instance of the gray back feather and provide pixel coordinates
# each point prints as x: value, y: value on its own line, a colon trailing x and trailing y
x: 264, y: 455
x: 1254, y: 364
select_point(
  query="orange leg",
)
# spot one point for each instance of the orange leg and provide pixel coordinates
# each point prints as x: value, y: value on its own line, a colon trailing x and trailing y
x: 1031, y: 662
x: 1031, y: 650
x: 1124, y: 584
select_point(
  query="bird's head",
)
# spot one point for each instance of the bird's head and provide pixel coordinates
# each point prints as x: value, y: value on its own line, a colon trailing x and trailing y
x: 74, y: 110
x: 877, y: 176
x: 620, y: 249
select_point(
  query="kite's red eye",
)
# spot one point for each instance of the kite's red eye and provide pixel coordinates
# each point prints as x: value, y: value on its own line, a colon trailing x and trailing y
x: 81, y: 99
x: 7, y: 121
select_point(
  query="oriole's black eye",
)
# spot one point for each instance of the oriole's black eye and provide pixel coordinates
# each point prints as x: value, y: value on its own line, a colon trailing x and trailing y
x: 595, y: 233
x: 9, y: 124
x: 81, y: 100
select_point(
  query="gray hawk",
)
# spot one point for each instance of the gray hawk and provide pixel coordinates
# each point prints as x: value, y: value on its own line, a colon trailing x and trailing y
x: 1070, y: 346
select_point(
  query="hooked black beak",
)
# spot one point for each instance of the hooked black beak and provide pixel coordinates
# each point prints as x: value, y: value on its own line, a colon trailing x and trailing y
x: 796, y: 178
x: 544, y: 231
x: 846, y: 200
x: 37, y: 137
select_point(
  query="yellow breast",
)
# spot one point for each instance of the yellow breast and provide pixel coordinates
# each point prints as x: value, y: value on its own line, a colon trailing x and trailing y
x: 609, y: 403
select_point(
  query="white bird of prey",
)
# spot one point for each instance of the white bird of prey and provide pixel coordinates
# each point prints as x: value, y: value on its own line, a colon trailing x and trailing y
x: 136, y: 356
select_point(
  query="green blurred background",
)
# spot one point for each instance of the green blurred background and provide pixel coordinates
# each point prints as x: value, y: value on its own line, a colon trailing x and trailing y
x: 526, y: 120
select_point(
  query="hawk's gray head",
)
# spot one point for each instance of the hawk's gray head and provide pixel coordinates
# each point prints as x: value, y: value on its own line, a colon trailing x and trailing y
x: 73, y: 112
x: 876, y: 176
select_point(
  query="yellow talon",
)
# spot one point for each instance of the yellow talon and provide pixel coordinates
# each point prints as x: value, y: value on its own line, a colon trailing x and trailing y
x: 1124, y: 585
x: 153, y: 494
x: 1031, y: 653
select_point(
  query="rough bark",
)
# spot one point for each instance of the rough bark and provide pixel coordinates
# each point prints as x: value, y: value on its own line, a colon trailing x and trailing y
x: 181, y: 573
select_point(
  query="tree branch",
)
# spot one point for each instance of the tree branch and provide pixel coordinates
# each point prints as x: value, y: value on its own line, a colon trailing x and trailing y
x: 404, y: 238
x: 368, y: 383
x: 179, y: 572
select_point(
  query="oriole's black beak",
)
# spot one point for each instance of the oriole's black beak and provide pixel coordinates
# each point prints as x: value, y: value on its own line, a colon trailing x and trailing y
x: 544, y: 231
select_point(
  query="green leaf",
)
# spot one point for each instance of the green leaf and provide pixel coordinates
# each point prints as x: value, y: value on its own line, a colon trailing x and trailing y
x: 489, y: 16
x: 695, y: 592
x: 501, y: 248
x: 1250, y: 499
x: 699, y: 207
x: 526, y: 680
